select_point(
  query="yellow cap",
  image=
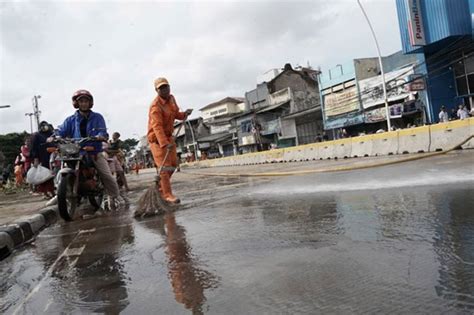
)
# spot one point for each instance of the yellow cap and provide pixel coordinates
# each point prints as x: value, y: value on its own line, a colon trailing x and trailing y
x: 160, y: 81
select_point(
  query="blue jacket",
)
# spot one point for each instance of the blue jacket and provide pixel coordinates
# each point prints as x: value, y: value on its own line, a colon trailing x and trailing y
x: 70, y: 128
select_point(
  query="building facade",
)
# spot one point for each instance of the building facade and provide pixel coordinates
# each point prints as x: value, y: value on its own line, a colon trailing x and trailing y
x: 442, y: 31
x: 352, y: 95
x: 217, y: 116
x: 282, y: 112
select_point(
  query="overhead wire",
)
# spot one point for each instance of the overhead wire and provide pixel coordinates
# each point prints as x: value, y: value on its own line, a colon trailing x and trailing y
x: 442, y: 53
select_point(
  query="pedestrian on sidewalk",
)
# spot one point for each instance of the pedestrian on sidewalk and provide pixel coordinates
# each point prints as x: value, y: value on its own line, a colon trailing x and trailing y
x: 18, y: 174
x: 462, y: 112
x: 115, y: 153
x: 443, y: 115
x: 162, y: 114
x: 40, y: 156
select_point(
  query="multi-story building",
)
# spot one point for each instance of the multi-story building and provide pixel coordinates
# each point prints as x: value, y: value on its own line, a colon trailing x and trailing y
x: 284, y: 111
x: 187, y: 137
x: 442, y: 31
x: 221, y: 140
x: 352, y: 95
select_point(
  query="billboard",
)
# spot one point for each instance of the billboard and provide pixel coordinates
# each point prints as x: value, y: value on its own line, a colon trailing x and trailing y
x: 341, y: 102
x: 371, y: 89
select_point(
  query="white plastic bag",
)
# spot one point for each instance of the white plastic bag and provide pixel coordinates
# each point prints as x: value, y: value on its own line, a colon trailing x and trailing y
x: 38, y: 175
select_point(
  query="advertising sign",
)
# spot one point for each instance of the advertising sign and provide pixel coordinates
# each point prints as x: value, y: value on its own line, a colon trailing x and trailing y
x: 378, y: 114
x: 371, y: 89
x: 417, y: 83
x: 341, y: 102
x: 415, y: 24
x: 246, y: 140
x: 348, y: 120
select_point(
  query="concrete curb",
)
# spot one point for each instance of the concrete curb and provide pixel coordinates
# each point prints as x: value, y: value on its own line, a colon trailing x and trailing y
x: 25, y: 230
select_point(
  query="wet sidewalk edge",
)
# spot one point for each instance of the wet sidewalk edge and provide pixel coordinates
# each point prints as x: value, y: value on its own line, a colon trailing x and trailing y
x: 24, y: 231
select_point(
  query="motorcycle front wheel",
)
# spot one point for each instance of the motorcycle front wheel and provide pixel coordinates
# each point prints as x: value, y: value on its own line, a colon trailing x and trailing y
x: 67, y: 203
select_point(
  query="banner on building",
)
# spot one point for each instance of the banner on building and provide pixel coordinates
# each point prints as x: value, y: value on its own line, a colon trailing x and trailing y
x: 379, y: 114
x: 415, y: 23
x: 417, y: 82
x: 270, y: 127
x: 371, y: 89
x: 348, y: 120
x: 341, y: 102
x: 247, y: 140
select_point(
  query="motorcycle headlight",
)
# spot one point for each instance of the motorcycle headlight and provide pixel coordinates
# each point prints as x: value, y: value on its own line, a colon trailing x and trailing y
x: 69, y: 148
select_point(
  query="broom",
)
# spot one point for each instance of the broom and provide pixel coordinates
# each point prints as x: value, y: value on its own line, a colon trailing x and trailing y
x: 151, y: 203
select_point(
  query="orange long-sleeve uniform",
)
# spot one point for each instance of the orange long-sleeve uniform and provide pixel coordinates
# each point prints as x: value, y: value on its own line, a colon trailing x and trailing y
x: 161, y: 119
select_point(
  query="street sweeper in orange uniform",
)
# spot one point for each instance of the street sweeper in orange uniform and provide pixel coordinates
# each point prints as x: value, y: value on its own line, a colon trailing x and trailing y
x: 162, y: 114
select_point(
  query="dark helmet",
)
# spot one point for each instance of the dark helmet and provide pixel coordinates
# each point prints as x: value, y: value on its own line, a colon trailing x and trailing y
x: 79, y: 94
x: 44, y: 124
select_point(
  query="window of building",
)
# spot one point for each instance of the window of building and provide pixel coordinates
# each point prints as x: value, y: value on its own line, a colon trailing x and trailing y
x: 464, y: 74
x: 246, y: 126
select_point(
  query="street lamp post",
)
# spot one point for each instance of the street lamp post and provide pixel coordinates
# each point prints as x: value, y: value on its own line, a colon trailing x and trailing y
x: 36, y: 110
x: 194, y: 139
x: 31, y: 121
x: 384, y: 86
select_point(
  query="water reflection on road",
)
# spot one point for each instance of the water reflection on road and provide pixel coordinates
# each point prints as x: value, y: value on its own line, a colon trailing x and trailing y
x: 401, y: 250
x: 188, y: 279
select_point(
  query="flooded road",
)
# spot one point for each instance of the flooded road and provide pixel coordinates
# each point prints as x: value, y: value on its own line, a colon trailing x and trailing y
x: 396, y: 239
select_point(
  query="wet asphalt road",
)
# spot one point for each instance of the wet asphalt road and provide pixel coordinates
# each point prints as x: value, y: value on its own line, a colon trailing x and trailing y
x: 396, y: 239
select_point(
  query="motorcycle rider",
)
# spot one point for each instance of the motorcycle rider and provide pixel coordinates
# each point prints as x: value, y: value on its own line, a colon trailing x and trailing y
x: 86, y: 123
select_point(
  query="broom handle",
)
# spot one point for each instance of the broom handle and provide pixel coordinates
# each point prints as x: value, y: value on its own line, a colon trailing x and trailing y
x: 167, y: 149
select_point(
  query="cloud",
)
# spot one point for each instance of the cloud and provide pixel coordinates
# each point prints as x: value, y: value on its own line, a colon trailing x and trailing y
x: 208, y: 50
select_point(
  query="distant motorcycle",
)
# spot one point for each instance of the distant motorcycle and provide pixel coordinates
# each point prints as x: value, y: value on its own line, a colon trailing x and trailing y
x: 77, y: 177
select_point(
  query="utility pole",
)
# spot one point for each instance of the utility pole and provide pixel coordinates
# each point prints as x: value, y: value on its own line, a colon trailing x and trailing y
x: 192, y: 135
x: 31, y: 121
x: 36, y: 110
x: 384, y: 86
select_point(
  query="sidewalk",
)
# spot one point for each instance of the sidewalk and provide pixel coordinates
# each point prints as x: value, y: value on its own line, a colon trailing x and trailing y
x: 22, y: 204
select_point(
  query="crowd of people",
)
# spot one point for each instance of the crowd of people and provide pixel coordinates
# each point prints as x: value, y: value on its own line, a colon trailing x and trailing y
x: 461, y: 113
x: 108, y: 157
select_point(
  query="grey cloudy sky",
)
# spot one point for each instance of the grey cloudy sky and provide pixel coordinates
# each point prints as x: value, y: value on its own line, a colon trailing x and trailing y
x: 208, y: 50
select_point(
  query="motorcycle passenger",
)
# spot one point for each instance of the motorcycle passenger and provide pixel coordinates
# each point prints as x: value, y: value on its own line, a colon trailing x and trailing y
x: 86, y: 123
x: 116, y: 155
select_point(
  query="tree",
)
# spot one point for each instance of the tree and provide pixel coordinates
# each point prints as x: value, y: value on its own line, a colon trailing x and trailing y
x: 10, y: 145
x: 129, y: 144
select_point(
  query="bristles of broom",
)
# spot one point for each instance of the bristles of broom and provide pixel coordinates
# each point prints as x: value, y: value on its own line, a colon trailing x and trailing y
x: 150, y: 203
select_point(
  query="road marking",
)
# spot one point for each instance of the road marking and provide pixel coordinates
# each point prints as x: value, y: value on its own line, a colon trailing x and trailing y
x: 73, y: 264
x: 75, y: 251
x: 68, y: 251
x: 48, y: 305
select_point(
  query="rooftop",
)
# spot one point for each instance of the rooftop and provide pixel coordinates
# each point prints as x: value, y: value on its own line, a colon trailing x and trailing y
x: 235, y: 100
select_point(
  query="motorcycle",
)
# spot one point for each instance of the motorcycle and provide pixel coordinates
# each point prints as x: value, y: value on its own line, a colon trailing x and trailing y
x: 77, y: 176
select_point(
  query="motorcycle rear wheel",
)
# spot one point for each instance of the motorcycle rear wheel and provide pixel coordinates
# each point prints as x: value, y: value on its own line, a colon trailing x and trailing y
x: 67, y: 203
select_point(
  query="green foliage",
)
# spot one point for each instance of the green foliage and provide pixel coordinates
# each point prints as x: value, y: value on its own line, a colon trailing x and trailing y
x: 10, y: 146
x: 129, y: 144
